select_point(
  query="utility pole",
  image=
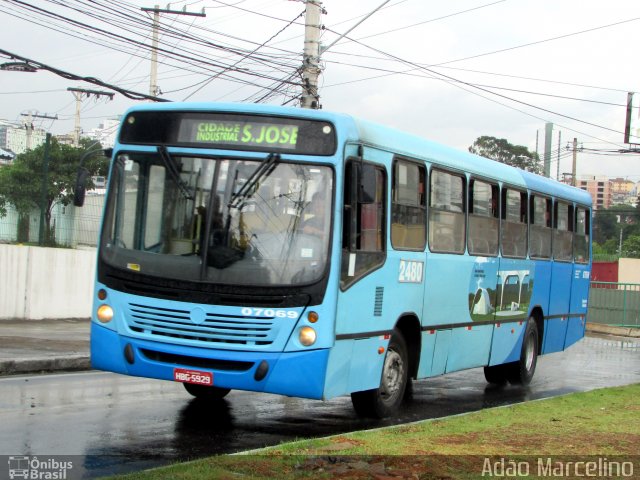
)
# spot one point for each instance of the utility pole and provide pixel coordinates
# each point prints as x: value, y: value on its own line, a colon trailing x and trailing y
x: 77, y: 93
x: 311, y: 56
x: 154, y: 90
x: 28, y: 125
x: 575, y: 160
x: 548, y: 133
x: 559, y: 143
x: 312, y: 50
x: 43, y: 193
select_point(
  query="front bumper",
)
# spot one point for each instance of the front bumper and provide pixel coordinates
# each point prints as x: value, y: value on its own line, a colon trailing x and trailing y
x: 298, y: 374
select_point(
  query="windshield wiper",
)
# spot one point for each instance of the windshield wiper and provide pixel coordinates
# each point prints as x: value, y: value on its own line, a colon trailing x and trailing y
x: 264, y: 170
x: 170, y: 166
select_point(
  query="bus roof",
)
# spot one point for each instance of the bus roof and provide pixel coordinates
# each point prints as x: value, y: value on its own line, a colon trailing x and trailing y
x: 355, y: 130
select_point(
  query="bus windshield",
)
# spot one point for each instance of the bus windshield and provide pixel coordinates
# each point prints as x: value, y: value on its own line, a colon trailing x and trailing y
x: 218, y: 220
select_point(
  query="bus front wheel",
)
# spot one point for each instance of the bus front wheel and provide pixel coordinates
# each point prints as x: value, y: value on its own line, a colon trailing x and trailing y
x: 385, y: 400
x: 205, y: 392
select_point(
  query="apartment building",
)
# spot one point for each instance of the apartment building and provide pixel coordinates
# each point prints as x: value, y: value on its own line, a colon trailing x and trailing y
x: 600, y: 188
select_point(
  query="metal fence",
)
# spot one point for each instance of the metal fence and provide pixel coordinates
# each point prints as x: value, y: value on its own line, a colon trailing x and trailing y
x: 71, y: 226
x: 616, y: 304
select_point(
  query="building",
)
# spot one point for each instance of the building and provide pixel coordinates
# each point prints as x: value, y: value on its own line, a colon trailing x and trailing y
x: 17, y: 138
x: 624, y: 191
x: 622, y: 186
x: 600, y: 188
x: 66, y: 139
x: 106, y: 132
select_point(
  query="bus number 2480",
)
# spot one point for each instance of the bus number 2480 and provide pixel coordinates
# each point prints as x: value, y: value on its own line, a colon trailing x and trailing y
x: 410, y: 271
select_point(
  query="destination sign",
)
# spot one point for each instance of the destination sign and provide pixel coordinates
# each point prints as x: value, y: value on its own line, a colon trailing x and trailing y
x: 237, y: 133
x: 229, y: 131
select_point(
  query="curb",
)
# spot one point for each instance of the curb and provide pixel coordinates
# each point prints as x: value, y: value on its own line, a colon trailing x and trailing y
x: 36, y: 365
x: 611, y: 330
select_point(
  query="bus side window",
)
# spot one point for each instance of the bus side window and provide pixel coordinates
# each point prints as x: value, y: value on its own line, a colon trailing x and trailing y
x: 447, y: 213
x: 514, y: 226
x: 540, y: 229
x: 483, y: 218
x: 363, y: 242
x: 581, y: 236
x: 563, y: 232
x: 408, y: 219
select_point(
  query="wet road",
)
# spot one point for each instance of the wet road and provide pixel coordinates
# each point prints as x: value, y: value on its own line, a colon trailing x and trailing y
x: 117, y: 424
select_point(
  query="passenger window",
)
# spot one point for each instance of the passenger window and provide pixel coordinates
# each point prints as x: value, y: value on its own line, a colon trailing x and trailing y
x: 581, y: 236
x: 155, y: 200
x: 514, y: 223
x: 540, y: 230
x: 483, y: 219
x: 363, y: 242
x: 408, y: 218
x: 446, y: 213
x: 563, y: 232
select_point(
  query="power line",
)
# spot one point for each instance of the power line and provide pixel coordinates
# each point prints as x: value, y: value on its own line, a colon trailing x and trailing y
x: 538, y: 42
x: 456, y: 82
x: 408, y: 73
x: 431, y: 20
x: 247, y: 55
x: 71, y: 76
x: 190, y: 58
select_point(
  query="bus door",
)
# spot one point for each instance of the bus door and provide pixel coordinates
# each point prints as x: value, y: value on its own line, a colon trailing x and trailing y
x: 581, y: 278
x: 366, y: 306
x: 540, y: 240
x: 449, y: 330
x: 483, y: 244
x: 515, y: 279
x: 561, y: 277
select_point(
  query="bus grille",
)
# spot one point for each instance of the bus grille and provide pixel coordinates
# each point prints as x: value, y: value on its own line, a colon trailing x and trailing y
x: 213, y: 328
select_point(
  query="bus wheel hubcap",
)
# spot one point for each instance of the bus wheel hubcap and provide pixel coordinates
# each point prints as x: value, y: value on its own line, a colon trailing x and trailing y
x: 529, y: 353
x: 392, y: 374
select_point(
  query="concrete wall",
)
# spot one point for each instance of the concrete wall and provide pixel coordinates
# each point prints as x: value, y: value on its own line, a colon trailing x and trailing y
x: 629, y: 270
x: 37, y: 283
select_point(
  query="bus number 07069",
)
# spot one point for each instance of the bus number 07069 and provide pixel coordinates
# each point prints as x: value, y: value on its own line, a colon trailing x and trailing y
x: 269, y: 313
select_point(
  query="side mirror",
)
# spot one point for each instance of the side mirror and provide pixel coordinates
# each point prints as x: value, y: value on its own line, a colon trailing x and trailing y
x: 81, y: 187
x: 368, y: 184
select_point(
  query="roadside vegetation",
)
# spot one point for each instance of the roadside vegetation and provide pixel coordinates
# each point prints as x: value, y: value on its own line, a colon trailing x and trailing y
x: 596, y: 425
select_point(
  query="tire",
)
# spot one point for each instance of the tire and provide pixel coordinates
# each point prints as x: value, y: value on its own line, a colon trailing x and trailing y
x: 204, y: 392
x: 385, y: 400
x: 521, y: 372
x: 496, y: 374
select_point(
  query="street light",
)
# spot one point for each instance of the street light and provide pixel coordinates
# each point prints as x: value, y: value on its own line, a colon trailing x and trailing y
x: 18, y: 67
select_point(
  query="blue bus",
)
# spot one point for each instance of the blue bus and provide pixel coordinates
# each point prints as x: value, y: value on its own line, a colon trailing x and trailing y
x: 311, y: 254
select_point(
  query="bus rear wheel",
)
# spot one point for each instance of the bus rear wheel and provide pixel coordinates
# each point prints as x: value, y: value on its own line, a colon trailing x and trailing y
x: 205, y: 392
x: 496, y: 374
x: 521, y: 372
x: 385, y: 400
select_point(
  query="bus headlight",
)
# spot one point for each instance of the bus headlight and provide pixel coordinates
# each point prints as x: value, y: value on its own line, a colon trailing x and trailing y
x: 307, y: 336
x: 105, y: 313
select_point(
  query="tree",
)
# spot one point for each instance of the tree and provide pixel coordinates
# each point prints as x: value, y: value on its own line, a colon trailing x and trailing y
x: 631, y: 247
x: 21, y: 182
x: 502, y: 151
x: 608, y: 222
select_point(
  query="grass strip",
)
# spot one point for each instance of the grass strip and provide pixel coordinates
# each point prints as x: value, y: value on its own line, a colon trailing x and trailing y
x: 600, y: 426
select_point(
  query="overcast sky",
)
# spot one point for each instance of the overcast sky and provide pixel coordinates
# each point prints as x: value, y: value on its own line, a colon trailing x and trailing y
x: 570, y: 62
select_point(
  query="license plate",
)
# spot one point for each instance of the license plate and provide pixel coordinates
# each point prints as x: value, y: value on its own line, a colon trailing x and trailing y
x: 192, y: 376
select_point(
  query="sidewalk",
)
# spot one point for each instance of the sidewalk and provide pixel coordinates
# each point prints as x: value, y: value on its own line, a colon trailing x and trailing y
x: 36, y: 346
